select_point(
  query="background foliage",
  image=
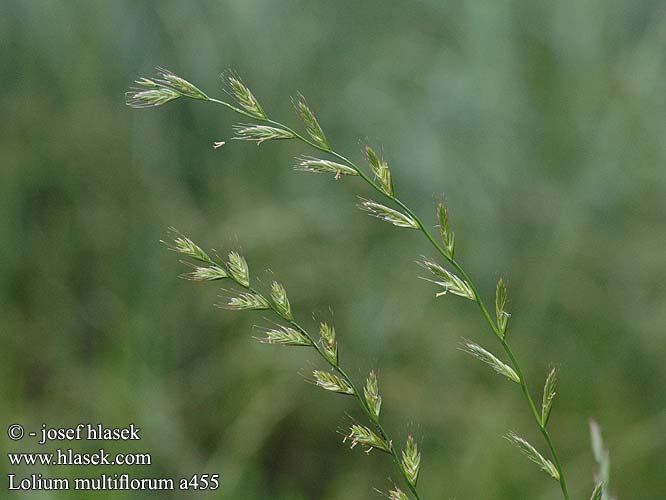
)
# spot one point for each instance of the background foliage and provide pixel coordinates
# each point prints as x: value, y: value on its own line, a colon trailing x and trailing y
x: 542, y: 123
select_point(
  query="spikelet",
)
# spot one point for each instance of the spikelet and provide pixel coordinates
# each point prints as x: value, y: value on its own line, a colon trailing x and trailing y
x: 372, y: 397
x: 329, y: 343
x: 260, y: 133
x: 396, y: 494
x: 311, y: 124
x: 500, y: 307
x: 211, y: 273
x: 285, y: 335
x: 238, y: 269
x: 331, y: 382
x: 158, y: 91
x: 449, y: 281
x: 411, y: 461
x: 185, y: 246
x: 548, y: 396
x: 243, y: 95
x: 360, y: 434
x: 150, y: 98
x: 381, y: 171
x: 279, y: 296
x: 316, y: 165
x: 387, y: 214
x: 530, y: 452
x: 491, y: 360
x: 448, y: 238
x: 245, y: 300
x: 187, y: 89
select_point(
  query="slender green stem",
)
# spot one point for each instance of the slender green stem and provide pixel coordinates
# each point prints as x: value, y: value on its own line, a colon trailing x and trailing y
x: 463, y: 274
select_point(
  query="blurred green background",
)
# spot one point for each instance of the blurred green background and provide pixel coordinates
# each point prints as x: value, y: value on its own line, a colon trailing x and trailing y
x: 541, y: 123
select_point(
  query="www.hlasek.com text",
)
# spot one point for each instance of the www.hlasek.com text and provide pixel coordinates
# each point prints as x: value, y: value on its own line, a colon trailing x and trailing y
x: 71, y: 457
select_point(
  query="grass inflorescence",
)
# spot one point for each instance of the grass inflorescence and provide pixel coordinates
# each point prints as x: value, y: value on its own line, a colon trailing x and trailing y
x: 244, y: 295
x: 447, y: 273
